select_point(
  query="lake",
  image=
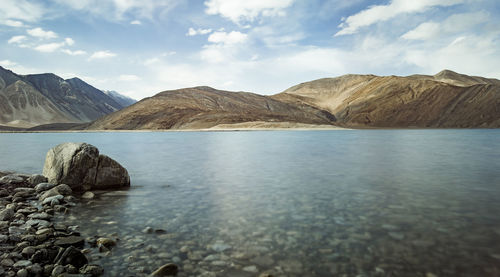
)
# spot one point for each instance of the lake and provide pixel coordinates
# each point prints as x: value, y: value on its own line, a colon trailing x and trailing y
x: 291, y: 203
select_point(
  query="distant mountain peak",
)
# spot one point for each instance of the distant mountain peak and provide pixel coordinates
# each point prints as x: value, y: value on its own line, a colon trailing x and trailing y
x: 46, y: 98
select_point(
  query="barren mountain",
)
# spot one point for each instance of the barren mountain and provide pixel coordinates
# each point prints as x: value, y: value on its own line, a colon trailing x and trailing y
x: 31, y: 100
x: 447, y: 99
x: 205, y: 107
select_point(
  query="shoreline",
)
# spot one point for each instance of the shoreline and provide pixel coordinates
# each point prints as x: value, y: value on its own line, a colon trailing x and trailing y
x: 34, y: 241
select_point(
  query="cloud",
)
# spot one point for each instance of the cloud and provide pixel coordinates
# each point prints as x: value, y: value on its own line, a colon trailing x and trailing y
x: 244, y: 10
x: 13, y: 23
x: 69, y: 41
x: 73, y: 53
x: 102, y: 55
x: 16, y: 39
x: 233, y: 37
x: 40, y: 33
x: 135, y: 22
x: 49, y: 47
x: 379, y: 13
x: 192, y: 32
x: 7, y: 63
x: 474, y: 55
x: 20, y: 10
x: 453, y: 24
x: 119, y: 10
x: 128, y: 78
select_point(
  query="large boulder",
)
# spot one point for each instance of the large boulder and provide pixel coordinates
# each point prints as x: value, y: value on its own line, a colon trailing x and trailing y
x: 80, y: 166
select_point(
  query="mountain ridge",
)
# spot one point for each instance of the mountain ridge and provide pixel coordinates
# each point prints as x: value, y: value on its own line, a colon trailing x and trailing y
x: 444, y: 100
x: 37, y: 99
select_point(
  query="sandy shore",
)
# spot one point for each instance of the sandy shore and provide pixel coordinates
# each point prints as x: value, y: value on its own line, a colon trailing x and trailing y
x: 245, y: 126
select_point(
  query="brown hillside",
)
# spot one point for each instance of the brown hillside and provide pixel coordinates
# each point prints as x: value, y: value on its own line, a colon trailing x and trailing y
x: 204, y: 107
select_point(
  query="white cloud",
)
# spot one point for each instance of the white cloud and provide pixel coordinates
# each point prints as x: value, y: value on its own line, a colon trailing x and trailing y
x: 380, y: 13
x: 13, y: 23
x: 7, y: 63
x: 40, y: 33
x: 423, y: 31
x: 151, y: 61
x: 244, y: 10
x: 16, y: 39
x: 233, y: 37
x: 474, y: 55
x: 73, y: 53
x: 119, y: 10
x: 69, y: 41
x: 49, y: 47
x: 135, y: 22
x: 102, y: 55
x: 129, y: 77
x: 193, y: 32
x: 453, y: 24
x: 20, y: 10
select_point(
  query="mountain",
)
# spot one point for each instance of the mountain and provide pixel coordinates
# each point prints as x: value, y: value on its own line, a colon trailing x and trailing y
x: 30, y: 100
x: 205, y: 107
x: 445, y: 100
x: 123, y: 100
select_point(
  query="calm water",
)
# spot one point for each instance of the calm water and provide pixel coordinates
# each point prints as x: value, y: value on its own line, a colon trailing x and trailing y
x: 319, y: 203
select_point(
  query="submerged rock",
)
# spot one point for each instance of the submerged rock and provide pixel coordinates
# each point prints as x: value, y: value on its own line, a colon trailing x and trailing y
x: 80, y: 166
x: 166, y: 270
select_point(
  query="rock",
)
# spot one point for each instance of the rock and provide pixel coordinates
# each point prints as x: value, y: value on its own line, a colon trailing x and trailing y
x: 220, y: 247
x: 73, y: 257
x: 35, y: 269
x: 58, y: 270
x: 22, y: 264
x: 251, y: 268
x: 3, y: 238
x: 47, y: 269
x: 3, y: 192
x: 71, y: 269
x: 106, y: 242
x: 49, y: 193
x: 36, y: 179
x: 44, y: 186
x: 49, y: 200
x: 94, y: 270
x: 42, y: 215
x: 396, y: 235
x: 110, y: 174
x: 70, y: 241
x: 6, y: 214
x: 166, y: 270
x: 22, y: 273
x: 147, y: 230
x: 13, y: 179
x: 40, y: 256
x: 80, y: 166
x: 88, y: 195
x: 7, y: 262
x: 28, y: 251
x: 64, y: 189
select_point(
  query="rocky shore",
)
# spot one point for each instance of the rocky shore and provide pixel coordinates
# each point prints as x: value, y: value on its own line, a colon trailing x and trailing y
x: 32, y: 241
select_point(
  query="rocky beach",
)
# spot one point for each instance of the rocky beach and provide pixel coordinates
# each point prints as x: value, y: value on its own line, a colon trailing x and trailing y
x: 34, y: 241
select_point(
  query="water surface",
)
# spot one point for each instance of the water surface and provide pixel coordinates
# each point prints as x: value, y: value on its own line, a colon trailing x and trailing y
x: 303, y: 203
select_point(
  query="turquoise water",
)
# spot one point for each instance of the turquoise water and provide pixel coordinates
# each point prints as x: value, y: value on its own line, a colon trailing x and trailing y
x: 303, y: 203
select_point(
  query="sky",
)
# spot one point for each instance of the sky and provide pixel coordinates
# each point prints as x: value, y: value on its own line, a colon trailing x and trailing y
x: 142, y: 47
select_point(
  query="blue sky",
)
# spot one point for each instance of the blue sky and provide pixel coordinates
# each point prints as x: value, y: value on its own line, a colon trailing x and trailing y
x: 142, y: 47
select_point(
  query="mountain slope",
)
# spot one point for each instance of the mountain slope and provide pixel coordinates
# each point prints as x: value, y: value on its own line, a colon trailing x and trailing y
x: 31, y: 100
x: 447, y: 99
x: 120, y: 98
x: 204, y: 107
